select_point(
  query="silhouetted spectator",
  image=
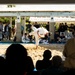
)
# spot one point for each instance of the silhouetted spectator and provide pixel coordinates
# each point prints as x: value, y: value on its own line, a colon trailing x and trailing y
x: 70, y: 72
x: 29, y: 27
x: 61, y: 28
x: 36, y: 25
x: 56, y: 67
x: 2, y: 65
x: 57, y: 61
x: 47, y: 26
x: 65, y: 26
x: 56, y: 35
x: 71, y: 27
x: 46, y: 62
x: 17, y: 60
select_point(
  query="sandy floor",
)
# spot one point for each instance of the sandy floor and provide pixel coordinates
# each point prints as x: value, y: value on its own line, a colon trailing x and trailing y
x: 36, y: 54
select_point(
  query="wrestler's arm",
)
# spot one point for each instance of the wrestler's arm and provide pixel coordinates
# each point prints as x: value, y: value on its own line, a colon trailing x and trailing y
x: 38, y: 33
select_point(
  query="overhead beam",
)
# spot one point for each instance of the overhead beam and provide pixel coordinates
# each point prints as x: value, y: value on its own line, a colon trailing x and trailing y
x: 36, y: 14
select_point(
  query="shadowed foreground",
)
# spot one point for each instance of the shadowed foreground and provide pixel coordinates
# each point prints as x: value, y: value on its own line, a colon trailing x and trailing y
x: 35, y: 53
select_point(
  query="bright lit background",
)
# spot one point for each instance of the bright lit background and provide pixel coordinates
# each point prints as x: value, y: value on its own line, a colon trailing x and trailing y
x: 38, y: 7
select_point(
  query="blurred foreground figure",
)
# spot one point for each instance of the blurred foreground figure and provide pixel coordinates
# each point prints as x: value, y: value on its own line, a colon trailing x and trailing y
x: 69, y: 53
x: 17, y: 60
x: 38, y: 33
x: 45, y: 62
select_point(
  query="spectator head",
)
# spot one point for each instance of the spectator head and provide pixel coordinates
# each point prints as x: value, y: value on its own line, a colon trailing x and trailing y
x: 16, y: 51
x: 16, y: 59
x: 47, y: 54
x: 57, y: 61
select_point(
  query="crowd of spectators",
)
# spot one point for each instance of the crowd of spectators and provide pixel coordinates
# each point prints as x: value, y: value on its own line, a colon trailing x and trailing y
x: 17, y: 62
x: 64, y: 32
x: 61, y: 35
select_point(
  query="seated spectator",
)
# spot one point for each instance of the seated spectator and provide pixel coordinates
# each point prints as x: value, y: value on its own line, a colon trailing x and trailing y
x: 56, y: 36
x: 56, y: 68
x: 46, y: 62
x: 69, y: 35
x: 62, y: 37
x: 46, y: 39
x: 17, y: 60
x: 25, y: 38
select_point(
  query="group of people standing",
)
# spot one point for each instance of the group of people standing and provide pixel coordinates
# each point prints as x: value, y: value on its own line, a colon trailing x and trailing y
x: 5, y: 31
